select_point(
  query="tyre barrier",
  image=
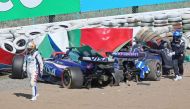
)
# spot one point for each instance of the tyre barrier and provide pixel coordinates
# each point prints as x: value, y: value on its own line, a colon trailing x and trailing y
x: 18, y: 33
x: 147, y: 19
x: 7, y: 35
x: 186, y: 26
x: 160, y: 21
x: 94, y: 22
x: 132, y: 24
x: 5, y: 31
x: 162, y: 30
x: 144, y: 24
x: 20, y: 43
x: 120, y: 21
x: 110, y: 23
x: 131, y: 20
x: 173, y: 15
x: 160, y: 17
x: 8, y: 46
x: 175, y: 19
x: 186, y: 21
x: 63, y: 25
x: 186, y: 16
x: 160, y: 25
x: 36, y: 35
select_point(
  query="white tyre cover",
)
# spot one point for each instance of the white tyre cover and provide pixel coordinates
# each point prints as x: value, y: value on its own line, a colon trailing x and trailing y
x: 20, y: 43
x: 8, y: 46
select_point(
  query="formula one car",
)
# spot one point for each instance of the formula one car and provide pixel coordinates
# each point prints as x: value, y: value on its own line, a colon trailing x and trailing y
x: 138, y: 64
x: 81, y: 66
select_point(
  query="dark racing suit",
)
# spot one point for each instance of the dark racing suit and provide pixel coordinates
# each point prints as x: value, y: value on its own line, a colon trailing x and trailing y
x: 178, y: 57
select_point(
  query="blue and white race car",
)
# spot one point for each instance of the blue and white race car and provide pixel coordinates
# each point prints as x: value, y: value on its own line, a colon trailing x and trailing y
x: 81, y: 67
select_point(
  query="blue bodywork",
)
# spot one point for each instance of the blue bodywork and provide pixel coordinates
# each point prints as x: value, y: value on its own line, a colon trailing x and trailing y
x: 89, y: 63
x: 135, y: 61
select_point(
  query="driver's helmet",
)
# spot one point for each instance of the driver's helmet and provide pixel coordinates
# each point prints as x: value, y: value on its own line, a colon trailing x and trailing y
x: 177, y: 35
x: 31, y: 46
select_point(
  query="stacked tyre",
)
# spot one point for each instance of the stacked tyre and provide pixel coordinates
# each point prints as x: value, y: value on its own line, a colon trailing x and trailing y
x: 160, y: 20
x: 147, y: 21
x: 132, y: 22
x: 110, y: 23
x: 186, y: 22
x: 121, y: 21
x: 175, y: 20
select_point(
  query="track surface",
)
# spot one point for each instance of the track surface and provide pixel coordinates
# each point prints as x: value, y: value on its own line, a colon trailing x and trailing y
x: 164, y: 94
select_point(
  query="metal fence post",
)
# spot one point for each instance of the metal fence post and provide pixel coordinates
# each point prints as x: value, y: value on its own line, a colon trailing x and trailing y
x: 135, y: 9
x: 51, y: 18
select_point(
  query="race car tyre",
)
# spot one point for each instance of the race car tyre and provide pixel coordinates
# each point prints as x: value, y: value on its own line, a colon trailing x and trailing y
x: 72, y: 78
x: 155, y: 70
x: 17, y: 67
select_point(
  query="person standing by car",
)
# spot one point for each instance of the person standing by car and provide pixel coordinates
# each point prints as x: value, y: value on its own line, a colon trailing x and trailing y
x: 34, y: 67
x: 165, y: 51
x: 178, y: 54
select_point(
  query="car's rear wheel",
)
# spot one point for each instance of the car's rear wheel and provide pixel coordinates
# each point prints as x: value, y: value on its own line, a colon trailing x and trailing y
x: 155, y: 70
x: 17, y: 67
x: 72, y: 78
